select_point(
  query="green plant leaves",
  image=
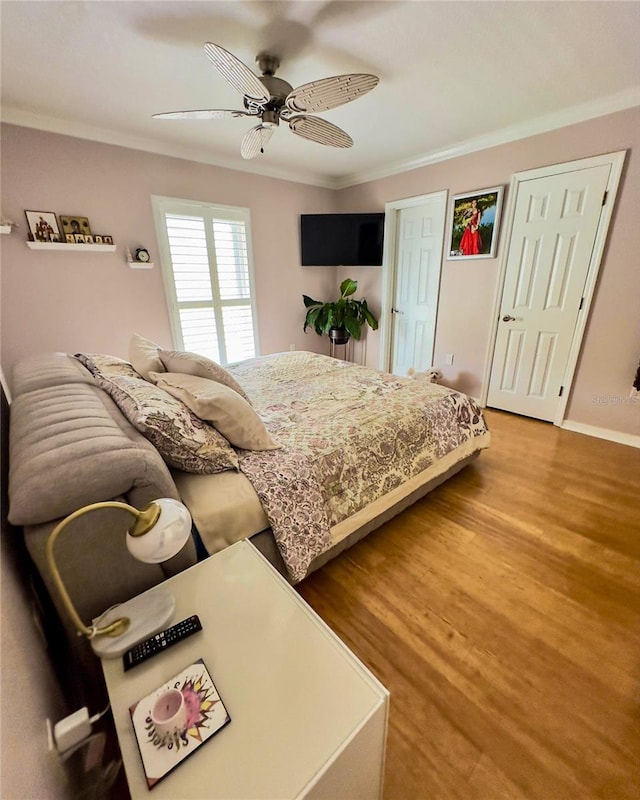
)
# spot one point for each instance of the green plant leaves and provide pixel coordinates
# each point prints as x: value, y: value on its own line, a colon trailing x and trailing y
x: 345, y: 312
x: 348, y: 287
x: 354, y: 327
x: 317, y: 318
x: 308, y: 301
x: 371, y: 321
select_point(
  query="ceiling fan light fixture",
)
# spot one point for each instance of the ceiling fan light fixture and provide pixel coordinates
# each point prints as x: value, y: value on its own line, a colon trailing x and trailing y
x: 272, y: 98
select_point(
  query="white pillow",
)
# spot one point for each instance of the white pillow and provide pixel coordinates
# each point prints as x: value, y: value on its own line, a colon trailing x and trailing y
x: 187, y: 363
x: 219, y: 405
x: 144, y: 356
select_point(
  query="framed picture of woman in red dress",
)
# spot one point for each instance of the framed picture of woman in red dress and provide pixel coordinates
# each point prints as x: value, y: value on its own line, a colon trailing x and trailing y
x: 475, y: 217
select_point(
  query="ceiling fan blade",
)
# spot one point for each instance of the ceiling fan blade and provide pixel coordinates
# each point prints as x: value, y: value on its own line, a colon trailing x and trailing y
x: 330, y: 92
x: 254, y: 140
x: 209, y: 113
x: 236, y: 73
x: 321, y: 131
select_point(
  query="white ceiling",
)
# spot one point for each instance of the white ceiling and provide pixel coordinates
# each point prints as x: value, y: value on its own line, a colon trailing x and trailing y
x: 454, y: 76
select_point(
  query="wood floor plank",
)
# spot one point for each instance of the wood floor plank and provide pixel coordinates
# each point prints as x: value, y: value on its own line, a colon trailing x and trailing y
x: 503, y: 613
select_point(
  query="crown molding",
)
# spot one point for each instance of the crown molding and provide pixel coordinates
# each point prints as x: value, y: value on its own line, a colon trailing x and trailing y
x: 27, y: 119
x: 629, y: 98
x: 620, y: 101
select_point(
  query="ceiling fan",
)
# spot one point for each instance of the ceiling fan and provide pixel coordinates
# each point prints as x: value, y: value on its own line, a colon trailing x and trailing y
x: 272, y: 99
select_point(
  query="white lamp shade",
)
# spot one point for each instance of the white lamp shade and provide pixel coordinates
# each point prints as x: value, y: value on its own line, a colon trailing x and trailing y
x: 167, y: 537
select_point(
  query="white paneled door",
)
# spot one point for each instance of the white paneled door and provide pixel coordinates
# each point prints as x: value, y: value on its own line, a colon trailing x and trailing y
x: 418, y: 258
x: 554, y: 229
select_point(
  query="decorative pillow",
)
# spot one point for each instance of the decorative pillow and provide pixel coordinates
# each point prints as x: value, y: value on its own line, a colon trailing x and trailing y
x: 183, y: 440
x: 221, y: 406
x: 143, y: 354
x: 200, y: 366
x: 97, y: 363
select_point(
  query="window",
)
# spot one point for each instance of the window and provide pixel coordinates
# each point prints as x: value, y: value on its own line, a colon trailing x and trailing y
x: 208, y: 274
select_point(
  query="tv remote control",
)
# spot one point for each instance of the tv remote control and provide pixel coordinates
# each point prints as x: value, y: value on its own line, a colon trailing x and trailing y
x: 161, y: 641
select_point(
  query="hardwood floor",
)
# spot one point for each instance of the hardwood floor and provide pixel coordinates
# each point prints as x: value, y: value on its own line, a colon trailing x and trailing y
x: 503, y: 614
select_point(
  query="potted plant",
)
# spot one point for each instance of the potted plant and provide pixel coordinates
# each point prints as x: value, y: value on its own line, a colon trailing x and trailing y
x: 342, y: 318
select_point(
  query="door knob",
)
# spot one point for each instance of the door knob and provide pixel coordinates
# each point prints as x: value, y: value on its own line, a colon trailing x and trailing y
x: 507, y: 318
x: 396, y: 311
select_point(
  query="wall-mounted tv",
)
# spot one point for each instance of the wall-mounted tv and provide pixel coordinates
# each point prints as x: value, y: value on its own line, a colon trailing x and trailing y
x: 341, y: 240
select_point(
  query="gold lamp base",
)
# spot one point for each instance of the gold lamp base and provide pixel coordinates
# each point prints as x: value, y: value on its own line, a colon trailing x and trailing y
x: 132, y: 622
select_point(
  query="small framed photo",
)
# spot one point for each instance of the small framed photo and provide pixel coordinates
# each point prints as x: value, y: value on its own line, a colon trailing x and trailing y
x: 79, y: 237
x: 107, y: 240
x: 70, y: 238
x: 475, y: 219
x: 88, y: 239
x: 43, y: 226
x: 75, y: 225
x: 97, y: 239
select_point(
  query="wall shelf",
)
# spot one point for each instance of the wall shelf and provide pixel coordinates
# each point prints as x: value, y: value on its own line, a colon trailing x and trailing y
x: 140, y: 264
x: 85, y: 248
x: 5, y: 228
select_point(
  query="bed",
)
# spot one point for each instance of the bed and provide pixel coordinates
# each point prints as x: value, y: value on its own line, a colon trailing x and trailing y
x: 358, y: 446
x: 350, y: 448
x: 311, y: 454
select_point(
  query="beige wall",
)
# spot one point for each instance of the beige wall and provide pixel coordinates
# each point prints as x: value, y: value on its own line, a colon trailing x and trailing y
x: 611, y: 347
x: 75, y: 302
x: 94, y: 302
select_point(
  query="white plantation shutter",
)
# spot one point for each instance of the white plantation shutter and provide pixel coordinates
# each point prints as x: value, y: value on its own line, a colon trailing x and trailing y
x: 208, y: 277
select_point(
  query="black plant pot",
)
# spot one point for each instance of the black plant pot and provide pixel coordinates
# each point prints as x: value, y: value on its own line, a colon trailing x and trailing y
x: 339, y: 335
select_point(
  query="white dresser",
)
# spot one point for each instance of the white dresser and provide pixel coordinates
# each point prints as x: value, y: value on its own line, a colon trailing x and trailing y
x: 308, y: 720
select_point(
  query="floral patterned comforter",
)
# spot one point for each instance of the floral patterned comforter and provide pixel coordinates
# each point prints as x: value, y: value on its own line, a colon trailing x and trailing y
x: 350, y: 435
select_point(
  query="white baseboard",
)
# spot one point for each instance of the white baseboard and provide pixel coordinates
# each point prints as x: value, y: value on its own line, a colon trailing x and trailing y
x: 602, y: 433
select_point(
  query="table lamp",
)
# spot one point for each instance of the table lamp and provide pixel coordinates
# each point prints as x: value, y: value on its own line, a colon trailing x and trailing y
x: 159, y: 532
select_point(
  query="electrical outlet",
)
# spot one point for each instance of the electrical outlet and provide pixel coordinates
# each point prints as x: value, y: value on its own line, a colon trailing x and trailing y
x: 292, y: 347
x: 448, y: 359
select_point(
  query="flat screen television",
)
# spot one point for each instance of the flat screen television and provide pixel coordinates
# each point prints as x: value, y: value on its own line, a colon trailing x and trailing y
x: 341, y: 240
